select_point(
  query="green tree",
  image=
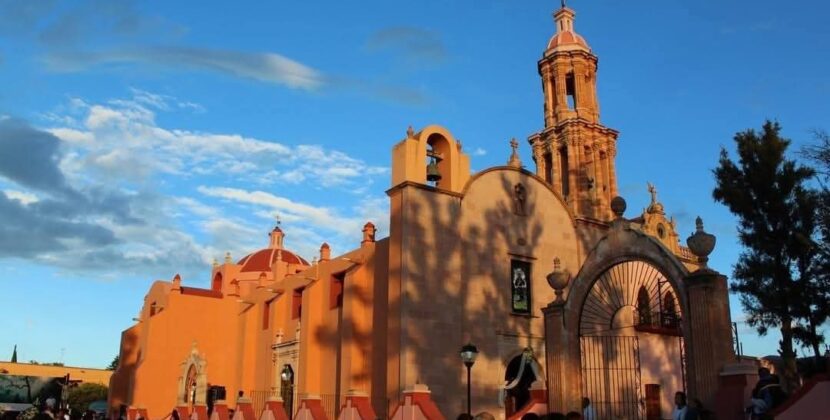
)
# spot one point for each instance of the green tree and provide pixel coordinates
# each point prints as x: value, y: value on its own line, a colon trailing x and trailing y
x: 819, y: 312
x: 82, y: 395
x: 114, y: 364
x: 767, y: 193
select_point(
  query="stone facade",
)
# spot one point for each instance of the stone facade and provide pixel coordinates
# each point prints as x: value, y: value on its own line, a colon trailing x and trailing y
x: 538, y: 268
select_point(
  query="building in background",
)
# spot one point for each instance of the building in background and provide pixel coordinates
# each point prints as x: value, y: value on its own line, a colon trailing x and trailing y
x: 539, y: 269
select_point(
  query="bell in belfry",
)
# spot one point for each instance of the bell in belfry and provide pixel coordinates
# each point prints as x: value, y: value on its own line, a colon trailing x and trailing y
x: 432, y: 171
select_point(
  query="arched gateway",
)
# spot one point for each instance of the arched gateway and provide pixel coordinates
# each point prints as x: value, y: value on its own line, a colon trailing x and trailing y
x: 625, y: 337
x: 630, y: 340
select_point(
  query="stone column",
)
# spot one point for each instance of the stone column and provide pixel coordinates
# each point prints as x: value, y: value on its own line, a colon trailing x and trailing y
x: 561, y: 364
x: 709, y: 334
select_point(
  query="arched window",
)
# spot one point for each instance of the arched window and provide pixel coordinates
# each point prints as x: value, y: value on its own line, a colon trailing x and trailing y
x: 643, y: 307
x: 216, y: 285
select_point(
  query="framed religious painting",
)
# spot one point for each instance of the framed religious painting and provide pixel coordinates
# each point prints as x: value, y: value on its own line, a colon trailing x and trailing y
x: 520, y: 286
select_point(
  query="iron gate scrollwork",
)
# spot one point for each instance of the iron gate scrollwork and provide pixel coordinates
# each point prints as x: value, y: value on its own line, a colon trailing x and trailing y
x: 611, y: 376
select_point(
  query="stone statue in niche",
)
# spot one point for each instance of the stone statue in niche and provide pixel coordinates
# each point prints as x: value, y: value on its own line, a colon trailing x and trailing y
x: 519, y: 200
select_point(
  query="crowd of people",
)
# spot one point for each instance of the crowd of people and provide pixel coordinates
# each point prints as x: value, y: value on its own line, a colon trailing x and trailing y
x: 49, y: 411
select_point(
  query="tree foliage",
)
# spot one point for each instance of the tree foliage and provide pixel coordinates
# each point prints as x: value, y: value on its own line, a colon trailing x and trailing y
x: 114, y: 364
x: 776, y: 225
x: 81, y: 396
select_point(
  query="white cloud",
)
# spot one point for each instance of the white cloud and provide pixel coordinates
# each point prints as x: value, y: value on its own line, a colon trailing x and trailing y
x: 24, y: 197
x: 479, y: 152
x: 310, y: 224
x: 122, y: 139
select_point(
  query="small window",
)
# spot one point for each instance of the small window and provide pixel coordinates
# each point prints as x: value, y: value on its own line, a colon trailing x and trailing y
x: 153, y: 308
x: 661, y: 232
x: 297, y: 303
x: 216, y: 285
x: 336, y: 291
x: 520, y: 286
x: 266, y: 314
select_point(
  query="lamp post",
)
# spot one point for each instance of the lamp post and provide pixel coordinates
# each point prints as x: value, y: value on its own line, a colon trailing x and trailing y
x: 468, y: 356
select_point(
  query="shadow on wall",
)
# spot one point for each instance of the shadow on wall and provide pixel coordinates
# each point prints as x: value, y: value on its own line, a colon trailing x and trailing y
x: 120, y: 386
x: 439, y: 288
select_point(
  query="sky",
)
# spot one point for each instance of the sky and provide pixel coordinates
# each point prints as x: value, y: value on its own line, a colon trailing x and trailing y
x: 143, y: 139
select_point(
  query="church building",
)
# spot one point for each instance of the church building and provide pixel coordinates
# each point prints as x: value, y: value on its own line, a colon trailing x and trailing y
x: 563, y: 296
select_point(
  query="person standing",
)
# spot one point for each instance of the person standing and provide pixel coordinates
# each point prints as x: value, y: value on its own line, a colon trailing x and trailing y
x: 588, y: 412
x: 681, y: 410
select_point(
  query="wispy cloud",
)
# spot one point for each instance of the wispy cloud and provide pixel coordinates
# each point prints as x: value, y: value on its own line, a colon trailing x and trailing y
x: 416, y: 44
x: 264, y: 67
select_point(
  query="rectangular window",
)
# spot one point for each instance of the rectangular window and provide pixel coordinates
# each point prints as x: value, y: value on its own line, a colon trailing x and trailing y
x: 520, y: 286
x: 266, y: 314
x: 336, y: 290
x: 297, y: 303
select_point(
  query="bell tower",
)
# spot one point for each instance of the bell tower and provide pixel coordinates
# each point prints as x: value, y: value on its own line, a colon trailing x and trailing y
x: 574, y: 152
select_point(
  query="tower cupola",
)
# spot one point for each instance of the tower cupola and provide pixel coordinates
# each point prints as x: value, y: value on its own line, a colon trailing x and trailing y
x: 566, y: 39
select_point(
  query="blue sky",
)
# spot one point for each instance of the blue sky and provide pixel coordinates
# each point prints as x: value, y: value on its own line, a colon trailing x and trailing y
x: 144, y: 139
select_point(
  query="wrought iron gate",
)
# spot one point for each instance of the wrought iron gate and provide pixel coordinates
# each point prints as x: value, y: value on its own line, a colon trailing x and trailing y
x: 611, y: 376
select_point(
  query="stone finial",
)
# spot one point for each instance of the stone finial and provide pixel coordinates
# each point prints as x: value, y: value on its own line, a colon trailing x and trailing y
x: 368, y: 233
x: 228, y: 259
x: 325, y: 252
x: 262, y: 280
x: 701, y: 243
x: 177, y: 282
x: 618, y: 206
x: 655, y: 206
x: 215, y: 262
x: 410, y: 133
x: 558, y: 279
x: 514, y: 160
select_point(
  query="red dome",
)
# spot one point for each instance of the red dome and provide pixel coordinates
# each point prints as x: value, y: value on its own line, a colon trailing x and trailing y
x: 264, y: 258
x: 568, y: 40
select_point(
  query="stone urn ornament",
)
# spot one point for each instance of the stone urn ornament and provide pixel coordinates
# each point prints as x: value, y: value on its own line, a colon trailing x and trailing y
x: 558, y: 279
x: 701, y: 243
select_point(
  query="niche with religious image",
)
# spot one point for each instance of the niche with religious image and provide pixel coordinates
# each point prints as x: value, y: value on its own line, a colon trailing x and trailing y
x: 520, y: 286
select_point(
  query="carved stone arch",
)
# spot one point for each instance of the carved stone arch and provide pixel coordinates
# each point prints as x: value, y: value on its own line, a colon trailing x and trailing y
x: 624, y: 244
x: 194, y: 362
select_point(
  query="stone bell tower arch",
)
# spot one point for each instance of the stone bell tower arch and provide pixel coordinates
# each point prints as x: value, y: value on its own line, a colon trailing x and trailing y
x: 192, y: 388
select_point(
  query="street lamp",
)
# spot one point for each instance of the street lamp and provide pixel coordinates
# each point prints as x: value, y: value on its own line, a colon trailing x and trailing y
x: 468, y: 356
